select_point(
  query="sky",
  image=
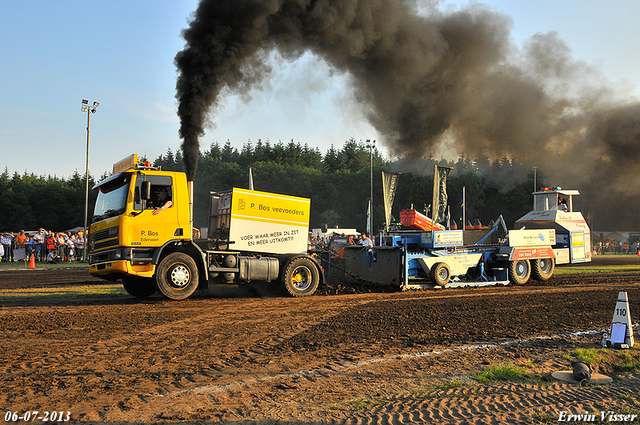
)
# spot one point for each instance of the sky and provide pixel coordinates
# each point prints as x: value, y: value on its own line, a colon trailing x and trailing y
x: 120, y: 54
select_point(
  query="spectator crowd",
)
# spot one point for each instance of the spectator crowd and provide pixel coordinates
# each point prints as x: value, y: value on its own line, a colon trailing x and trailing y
x: 44, y: 245
x: 337, y: 241
x: 615, y: 247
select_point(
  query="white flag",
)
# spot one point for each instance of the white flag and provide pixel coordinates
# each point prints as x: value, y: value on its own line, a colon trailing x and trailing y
x: 389, y: 182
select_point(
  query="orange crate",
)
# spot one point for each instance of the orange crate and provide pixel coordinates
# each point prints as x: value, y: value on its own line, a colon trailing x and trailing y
x: 415, y: 220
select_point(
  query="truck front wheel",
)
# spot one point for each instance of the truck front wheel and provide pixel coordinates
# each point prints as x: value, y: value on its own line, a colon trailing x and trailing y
x: 542, y: 269
x: 301, y: 277
x: 177, y: 276
x: 137, y: 286
x: 519, y: 271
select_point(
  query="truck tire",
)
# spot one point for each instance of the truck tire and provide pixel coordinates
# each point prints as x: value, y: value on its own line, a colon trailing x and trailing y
x: 543, y: 268
x: 177, y: 276
x: 301, y: 277
x: 137, y: 286
x: 440, y: 274
x: 519, y: 271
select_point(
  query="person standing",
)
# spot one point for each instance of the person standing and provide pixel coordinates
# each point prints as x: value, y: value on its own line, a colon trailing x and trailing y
x: 70, y: 247
x: 50, y: 242
x: 80, y: 245
x: 62, y: 246
x: 21, y: 239
x: 38, y: 240
x: 6, y: 240
x: 20, y: 249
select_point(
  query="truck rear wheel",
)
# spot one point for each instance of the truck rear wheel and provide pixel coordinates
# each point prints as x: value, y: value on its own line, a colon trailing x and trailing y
x: 440, y: 274
x: 519, y: 271
x: 301, y: 277
x: 177, y: 276
x: 141, y: 287
x: 543, y: 268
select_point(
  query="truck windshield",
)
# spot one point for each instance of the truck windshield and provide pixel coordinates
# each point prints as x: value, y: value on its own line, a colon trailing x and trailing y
x: 112, y: 198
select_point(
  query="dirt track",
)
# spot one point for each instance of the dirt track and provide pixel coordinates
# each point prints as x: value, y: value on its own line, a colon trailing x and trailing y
x: 355, y: 358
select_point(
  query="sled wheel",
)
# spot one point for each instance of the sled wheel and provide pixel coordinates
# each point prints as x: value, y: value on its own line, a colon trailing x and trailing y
x: 519, y: 272
x: 440, y: 274
x: 137, y: 286
x: 177, y: 276
x: 301, y: 277
x: 543, y: 268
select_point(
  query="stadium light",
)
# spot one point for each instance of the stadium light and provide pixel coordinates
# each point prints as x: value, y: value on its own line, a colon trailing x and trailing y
x: 89, y: 109
x: 371, y: 144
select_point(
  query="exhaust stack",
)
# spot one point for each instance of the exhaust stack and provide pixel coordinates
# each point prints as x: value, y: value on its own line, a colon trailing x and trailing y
x: 190, y: 190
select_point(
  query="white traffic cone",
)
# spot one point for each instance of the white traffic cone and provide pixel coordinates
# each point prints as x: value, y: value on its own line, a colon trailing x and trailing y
x: 621, y: 328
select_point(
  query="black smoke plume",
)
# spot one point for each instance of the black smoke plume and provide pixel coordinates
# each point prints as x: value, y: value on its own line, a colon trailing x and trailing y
x: 431, y: 80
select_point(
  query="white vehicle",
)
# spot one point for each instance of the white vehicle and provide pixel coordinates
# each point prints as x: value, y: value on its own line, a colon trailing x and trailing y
x: 573, y: 236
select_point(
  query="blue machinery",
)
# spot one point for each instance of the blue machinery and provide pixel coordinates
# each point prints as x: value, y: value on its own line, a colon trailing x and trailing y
x: 419, y: 259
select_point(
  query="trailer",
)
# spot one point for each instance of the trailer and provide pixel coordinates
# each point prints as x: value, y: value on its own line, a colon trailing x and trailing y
x: 421, y: 255
x: 409, y: 259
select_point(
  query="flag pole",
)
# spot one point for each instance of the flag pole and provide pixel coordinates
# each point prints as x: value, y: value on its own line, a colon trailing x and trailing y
x: 464, y: 207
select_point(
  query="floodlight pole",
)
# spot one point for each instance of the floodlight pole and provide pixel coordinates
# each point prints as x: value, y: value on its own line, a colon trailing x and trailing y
x: 89, y: 109
x: 371, y: 144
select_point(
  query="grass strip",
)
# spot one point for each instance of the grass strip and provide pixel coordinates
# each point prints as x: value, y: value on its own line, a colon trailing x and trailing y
x: 67, y: 292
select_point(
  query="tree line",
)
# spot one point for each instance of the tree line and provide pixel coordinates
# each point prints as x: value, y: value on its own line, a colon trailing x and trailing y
x: 337, y: 182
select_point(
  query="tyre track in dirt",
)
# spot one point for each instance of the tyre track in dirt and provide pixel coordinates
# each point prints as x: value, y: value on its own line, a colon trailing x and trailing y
x: 111, y: 359
x: 338, y: 360
x: 510, y: 403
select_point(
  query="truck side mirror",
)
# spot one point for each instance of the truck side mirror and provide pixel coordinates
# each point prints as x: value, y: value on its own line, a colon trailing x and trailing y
x: 146, y: 190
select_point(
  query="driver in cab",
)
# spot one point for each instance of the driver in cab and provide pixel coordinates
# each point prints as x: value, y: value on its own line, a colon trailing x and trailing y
x: 164, y: 200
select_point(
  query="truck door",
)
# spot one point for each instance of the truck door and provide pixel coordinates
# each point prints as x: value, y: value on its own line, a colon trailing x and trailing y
x: 149, y: 229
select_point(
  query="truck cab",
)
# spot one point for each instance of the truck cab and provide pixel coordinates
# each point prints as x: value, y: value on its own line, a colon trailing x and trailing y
x: 125, y: 234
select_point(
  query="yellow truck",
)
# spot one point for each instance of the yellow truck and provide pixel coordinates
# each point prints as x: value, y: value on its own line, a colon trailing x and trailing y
x: 142, y: 232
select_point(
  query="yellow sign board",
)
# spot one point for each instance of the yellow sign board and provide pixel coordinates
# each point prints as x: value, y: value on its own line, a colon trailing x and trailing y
x: 127, y: 163
x: 269, y: 222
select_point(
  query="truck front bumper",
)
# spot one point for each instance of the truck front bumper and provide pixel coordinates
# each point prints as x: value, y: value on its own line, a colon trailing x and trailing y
x: 112, y: 270
x: 115, y: 263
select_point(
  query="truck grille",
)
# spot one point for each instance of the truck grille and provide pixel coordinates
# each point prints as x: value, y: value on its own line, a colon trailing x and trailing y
x: 104, y: 238
x: 105, y: 244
